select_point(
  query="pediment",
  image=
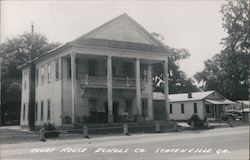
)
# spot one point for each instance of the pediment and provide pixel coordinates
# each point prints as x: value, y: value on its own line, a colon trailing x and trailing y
x: 123, y: 29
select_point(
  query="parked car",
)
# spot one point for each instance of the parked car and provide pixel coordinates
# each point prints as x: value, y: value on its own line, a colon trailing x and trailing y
x: 232, y: 115
x: 238, y: 115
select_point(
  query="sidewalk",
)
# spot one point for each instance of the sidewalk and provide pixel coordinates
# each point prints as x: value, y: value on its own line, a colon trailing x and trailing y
x: 13, y: 134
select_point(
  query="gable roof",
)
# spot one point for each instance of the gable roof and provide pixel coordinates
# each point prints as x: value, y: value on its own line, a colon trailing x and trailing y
x: 128, y: 34
x: 182, y: 96
x: 121, y: 32
x: 196, y: 96
x: 122, y: 28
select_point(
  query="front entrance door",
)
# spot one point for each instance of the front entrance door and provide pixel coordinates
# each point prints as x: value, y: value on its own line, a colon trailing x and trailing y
x: 115, y: 111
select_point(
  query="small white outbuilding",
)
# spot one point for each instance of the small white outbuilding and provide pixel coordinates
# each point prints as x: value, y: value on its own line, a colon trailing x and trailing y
x: 209, y: 104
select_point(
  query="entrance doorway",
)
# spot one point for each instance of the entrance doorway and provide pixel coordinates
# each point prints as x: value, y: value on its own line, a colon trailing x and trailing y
x: 115, y: 111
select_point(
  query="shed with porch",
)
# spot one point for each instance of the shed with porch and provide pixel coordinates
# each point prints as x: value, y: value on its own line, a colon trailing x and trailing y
x: 209, y: 104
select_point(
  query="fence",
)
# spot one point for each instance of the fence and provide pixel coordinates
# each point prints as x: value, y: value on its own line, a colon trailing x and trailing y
x: 124, y: 129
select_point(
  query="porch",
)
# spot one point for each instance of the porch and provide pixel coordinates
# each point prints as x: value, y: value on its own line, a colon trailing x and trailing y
x: 215, y: 108
x: 108, y: 74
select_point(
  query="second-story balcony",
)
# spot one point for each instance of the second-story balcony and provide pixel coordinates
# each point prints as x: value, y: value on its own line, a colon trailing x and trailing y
x: 101, y: 81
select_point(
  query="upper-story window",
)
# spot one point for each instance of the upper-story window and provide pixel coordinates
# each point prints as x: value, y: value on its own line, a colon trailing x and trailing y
x: 57, y: 69
x: 25, y: 78
x: 49, y: 73
x: 68, y: 67
x: 127, y: 67
x: 143, y: 72
x: 25, y: 83
x: 42, y: 75
x: 92, y: 67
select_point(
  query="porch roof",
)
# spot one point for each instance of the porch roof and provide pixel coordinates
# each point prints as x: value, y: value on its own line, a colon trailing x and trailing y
x: 220, y: 101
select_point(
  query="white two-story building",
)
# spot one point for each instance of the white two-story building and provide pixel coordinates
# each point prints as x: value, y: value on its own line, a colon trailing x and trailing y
x: 104, y: 76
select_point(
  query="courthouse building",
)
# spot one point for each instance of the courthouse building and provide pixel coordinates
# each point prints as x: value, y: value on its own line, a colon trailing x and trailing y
x: 104, y: 76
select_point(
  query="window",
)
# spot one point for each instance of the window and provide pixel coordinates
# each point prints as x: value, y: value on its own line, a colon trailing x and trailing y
x: 42, y: 75
x: 36, y: 111
x: 128, y: 107
x: 170, y: 108
x: 182, y: 108
x: 48, y: 110
x: 92, y: 105
x: 195, y: 107
x: 68, y: 67
x: 41, y: 116
x: 24, y: 111
x: 92, y: 66
x: 25, y: 81
x: 208, y: 109
x: 37, y: 75
x: 145, y: 107
x: 127, y: 69
x: 49, y: 73
x: 57, y: 69
x: 143, y: 72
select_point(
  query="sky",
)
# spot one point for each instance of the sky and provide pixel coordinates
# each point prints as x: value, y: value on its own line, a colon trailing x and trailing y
x: 190, y: 24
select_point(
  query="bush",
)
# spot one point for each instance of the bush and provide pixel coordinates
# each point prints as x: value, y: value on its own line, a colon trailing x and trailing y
x: 50, y: 131
x: 197, y: 121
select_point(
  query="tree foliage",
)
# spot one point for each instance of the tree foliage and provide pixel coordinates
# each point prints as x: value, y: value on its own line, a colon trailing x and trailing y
x: 14, y: 52
x: 227, y: 72
x: 178, y: 81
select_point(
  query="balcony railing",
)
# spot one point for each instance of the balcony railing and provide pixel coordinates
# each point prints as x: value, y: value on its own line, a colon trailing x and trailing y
x: 116, y: 82
x: 94, y: 80
x: 123, y: 82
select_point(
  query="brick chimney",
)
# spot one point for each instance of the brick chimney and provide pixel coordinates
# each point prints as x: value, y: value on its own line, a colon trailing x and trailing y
x: 190, y: 95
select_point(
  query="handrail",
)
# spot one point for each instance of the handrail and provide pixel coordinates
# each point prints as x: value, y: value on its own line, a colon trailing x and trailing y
x: 117, y: 81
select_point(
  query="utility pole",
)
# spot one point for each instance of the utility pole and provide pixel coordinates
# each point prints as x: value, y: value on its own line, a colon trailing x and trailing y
x: 32, y: 72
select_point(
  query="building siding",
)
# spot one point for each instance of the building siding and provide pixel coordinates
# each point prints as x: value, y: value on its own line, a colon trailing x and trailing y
x: 188, y: 110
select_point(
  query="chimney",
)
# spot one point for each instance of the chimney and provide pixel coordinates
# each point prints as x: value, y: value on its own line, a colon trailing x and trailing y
x: 190, y: 95
x: 32, y: 27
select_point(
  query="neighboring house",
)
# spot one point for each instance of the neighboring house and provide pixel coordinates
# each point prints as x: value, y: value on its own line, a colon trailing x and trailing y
x: 104, y: 76
x: 240, y: 105
x: 182, y: 106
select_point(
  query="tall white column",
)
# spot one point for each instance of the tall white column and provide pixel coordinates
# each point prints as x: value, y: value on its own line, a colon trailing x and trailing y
x: 73, y: 85
x: 110, y: 89
x: 166, y: 91
x: 150, y: 85
x: 60, y: 67
x: 138, y: 89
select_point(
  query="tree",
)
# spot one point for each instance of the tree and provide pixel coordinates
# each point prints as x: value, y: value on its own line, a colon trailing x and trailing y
x: 227, y: 72
x: 178, y: 81
x: 14, y: 52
